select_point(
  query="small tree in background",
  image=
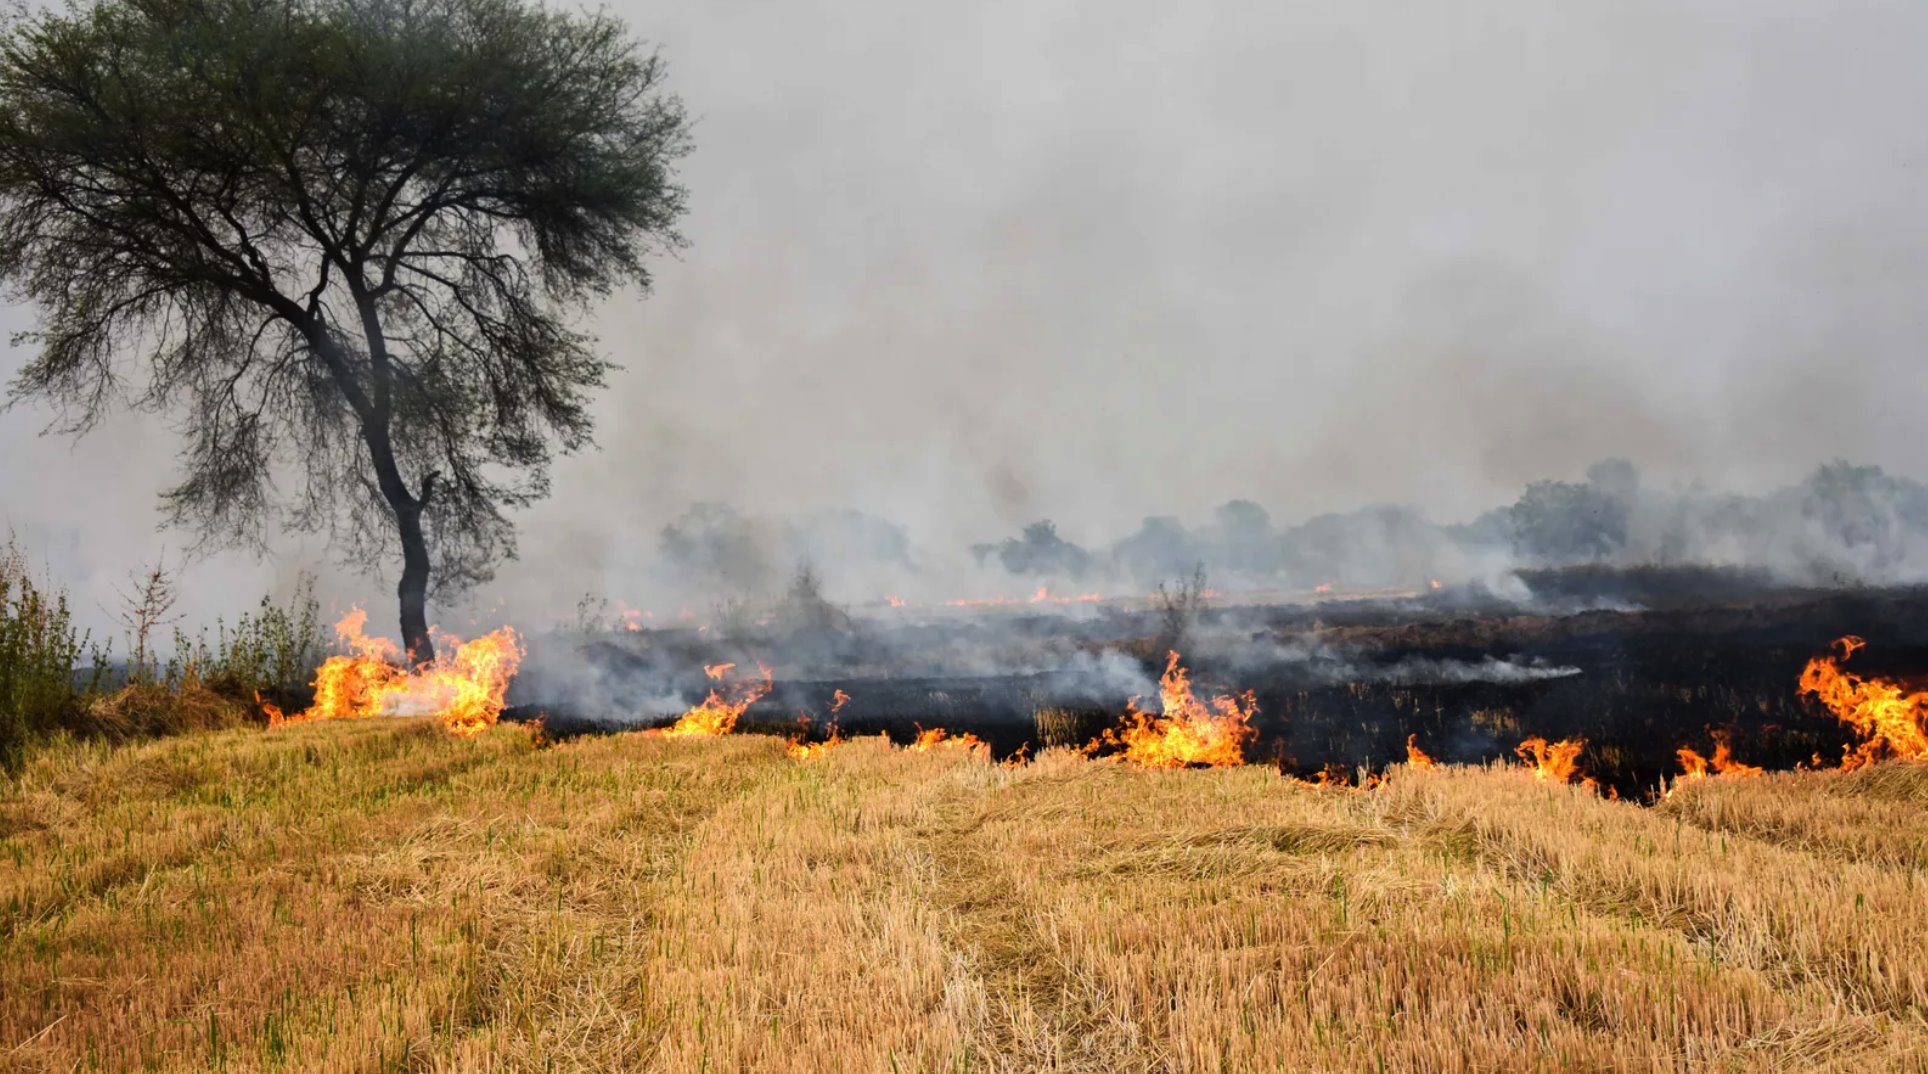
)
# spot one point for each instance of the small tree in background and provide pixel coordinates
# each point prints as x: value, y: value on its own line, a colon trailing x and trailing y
x: 146, y: 607
x: 343, y: 239
x: 1178, y: 607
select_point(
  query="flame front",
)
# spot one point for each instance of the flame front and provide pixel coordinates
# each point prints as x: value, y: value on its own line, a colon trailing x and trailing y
x: 802, y: 749
x: 936, y: 738
x: 1552, y: 762
x: 465, y: 692
x: 1695, y: 766
x: 717, y: 715
x: 1186, y: 731
x: 1042, y: 595
x: 1891, y: 722
x: 1416, y: 757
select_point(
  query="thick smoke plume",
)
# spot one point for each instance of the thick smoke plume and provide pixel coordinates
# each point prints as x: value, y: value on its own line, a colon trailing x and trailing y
x: 968, y: 268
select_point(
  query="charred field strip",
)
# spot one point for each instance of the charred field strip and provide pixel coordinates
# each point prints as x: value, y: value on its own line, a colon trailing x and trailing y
x: 1340, y: 685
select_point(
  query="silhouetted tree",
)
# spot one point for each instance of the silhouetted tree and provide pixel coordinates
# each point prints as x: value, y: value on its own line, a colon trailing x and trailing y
x: 344, y: 237
x: 1041, y: 551
x: 1615, y: 478
x: 1564, y: 522
x: 1868, y: 512
x: 714, y: 542
x: 1245, y: 537
x: 1162, y: 548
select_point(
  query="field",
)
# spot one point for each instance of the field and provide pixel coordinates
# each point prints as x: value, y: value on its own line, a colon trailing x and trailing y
x: 378, y: 895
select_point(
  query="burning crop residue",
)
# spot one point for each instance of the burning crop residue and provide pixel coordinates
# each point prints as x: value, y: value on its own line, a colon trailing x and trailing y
x: 1552, y: 762
x: 1186, y: 731
x: 802, y: 749
x: 1892, y: 723
x: 1042, y: 595
x: 1416, y: 757
x: 1695, y: 766
x: 465, y: 692
x: 936, y: 738
x: 718, y: 713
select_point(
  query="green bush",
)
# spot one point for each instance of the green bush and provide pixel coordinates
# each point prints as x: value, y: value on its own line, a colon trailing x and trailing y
x: 269, y: 654
x: 40, y: 653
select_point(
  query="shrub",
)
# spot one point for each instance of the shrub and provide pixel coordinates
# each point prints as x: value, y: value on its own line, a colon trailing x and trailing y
x: 1178, y: 609
x: 40, y: 652
x: 269, y: 654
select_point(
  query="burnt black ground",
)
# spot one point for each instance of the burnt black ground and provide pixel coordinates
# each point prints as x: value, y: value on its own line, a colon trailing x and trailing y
x: 1339, y: 683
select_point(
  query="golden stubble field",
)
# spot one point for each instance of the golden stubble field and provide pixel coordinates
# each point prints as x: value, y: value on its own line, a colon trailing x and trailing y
x: 379, y: 896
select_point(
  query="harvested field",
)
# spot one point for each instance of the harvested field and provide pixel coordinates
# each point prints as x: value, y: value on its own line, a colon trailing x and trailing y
x: 379, y: 895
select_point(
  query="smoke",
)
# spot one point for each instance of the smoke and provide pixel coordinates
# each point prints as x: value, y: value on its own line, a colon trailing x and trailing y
x: 1418, y: 670
x: 970, y: 267
x: 1841, y: 524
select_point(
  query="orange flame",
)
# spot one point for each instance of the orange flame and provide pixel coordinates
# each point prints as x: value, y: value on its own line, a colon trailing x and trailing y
x: 895, y: 602
x: 1436, y: 584
x: 1890, y: 721
x: 1556, y: 762
x: 802, y: 750
x: 1695, y: 766
x: 465, y: 692
x: 1187, y: 731
x: 1416, y: 757
x: 1042, y: 595
x: 717, y: 715
x: 800, y: 746
x: 936, y: 738
x: 1322, y: 587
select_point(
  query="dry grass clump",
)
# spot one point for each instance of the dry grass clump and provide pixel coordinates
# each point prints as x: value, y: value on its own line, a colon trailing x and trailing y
x: 146, y: 709
x: 1067, y: 727
x: 376, y: 895
x: 1848, y: 931
x: 1868, y: 815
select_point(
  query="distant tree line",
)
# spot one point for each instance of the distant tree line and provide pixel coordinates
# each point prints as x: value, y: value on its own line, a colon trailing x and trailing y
x: 1842, y: 522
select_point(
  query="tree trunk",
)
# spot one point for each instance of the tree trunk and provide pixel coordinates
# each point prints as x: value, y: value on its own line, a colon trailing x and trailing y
x: 407, y: 508
x: 413, y: 589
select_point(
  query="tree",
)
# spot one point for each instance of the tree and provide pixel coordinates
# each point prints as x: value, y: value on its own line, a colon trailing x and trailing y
x: 1041, y: 551
x: 1559, y: 522
x: 1162, y: 548
x: 344, y: 238
x: 1245, y: 538
x: 712, y: 541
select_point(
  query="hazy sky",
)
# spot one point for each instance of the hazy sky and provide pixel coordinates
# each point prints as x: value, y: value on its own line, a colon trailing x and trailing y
x: 968, y: 265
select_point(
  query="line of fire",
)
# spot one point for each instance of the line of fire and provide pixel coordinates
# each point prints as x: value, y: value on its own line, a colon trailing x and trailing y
x: 1619, y: 702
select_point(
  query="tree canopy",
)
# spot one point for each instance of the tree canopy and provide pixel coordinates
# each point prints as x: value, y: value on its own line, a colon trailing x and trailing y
x: 343, y: 242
